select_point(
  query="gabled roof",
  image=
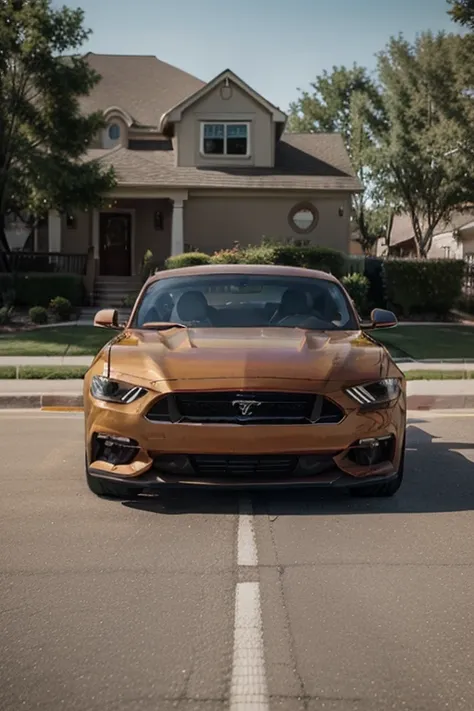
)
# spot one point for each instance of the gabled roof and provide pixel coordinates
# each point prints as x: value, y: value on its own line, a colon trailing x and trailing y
x: 316, y: 161
x: 402, y: 228
x: 174, y: 112
x: 142, y: 86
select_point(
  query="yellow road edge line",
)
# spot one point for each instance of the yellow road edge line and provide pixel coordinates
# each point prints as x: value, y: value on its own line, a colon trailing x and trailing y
x: 61, y: 409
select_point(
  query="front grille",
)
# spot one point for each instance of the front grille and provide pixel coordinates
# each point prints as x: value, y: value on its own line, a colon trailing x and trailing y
x: 273, y: 408
x: 243, y: 465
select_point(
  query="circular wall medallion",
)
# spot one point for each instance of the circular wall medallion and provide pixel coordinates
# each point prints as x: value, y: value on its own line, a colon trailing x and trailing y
x: 303, y: 218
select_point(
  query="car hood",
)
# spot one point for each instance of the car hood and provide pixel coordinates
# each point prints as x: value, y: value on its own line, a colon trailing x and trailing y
x: 241, y: 356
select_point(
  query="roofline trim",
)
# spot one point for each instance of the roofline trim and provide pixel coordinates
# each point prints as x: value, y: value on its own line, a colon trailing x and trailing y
x: 277, y: 115
x: 121, y: 112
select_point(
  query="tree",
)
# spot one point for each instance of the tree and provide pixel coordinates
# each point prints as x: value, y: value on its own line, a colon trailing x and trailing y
x: 462, y: 11
x: 43, y: 134
x: 347, y: 101
x: 425, y: 147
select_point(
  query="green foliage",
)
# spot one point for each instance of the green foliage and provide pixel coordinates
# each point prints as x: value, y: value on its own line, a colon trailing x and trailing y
x: 43, y: 131
x: 36, y: 289
x: 128, y: 301
x: 462, y: 11
x: 188, y: 259
x: 60, y: 308
x: 47, y: 372
x: 322, y: 258
x: 348, y: 101
x: 149, y: 265
x: 424, y: 146
x: 357, y: 285
x: 228, y: 256
x: 38, y: 315
x: 417, y: 286
x: 6, y: 315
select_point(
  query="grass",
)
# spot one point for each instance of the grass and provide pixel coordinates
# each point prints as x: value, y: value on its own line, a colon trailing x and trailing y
x: 46, y: 372
x: 64, y: 340
x: 439, y: 375
x: 417, y: 342
x: 433, y: 342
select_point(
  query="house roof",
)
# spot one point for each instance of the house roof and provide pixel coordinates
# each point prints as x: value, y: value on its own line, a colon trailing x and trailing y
x: 143, y: 86
x: 174, y: 112
x: 402, y: 228
x: 316, y: 161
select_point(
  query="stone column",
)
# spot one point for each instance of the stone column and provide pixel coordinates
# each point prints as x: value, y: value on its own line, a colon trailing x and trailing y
x: 177, y: 228
x: 54, y: 231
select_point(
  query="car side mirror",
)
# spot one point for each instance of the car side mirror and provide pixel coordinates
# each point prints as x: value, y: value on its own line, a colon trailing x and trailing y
x: 380, y: 318
x: 107, y: 318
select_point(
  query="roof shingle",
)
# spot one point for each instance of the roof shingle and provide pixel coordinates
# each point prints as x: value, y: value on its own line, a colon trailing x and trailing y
x: 144, y: 86
x: 303, y: 161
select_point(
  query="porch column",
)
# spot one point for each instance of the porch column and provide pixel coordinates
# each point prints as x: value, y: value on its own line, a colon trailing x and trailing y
x: 177, y: 228
x: 95, y: 232
x: 54, y: 231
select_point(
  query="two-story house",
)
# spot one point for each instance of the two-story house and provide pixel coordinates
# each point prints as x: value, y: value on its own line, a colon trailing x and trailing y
x: 200, y: 166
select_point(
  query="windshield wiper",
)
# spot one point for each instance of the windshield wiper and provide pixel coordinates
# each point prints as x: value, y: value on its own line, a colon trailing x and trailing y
x: 162, y: 325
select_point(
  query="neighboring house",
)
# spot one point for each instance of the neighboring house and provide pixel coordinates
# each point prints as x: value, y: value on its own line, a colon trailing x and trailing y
x: 199, y: 166
x: 453, y: 240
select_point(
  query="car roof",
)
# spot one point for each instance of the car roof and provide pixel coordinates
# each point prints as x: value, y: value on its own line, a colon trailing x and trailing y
x: 264, y: 269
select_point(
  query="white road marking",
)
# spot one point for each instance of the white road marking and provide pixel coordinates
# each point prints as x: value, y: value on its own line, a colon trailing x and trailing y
x: 246, y: 546
x: 249, y: 690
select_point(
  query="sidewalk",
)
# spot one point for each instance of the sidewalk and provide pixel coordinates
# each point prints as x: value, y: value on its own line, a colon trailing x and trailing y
x: 422, y: 394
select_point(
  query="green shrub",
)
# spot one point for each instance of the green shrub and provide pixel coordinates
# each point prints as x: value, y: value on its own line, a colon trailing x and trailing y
x: 6, y: 315
x: 37, y: 289
x: 321, y: 258
x: 149, y: 265
x: 260, y: 254
x: 357, y: 286
x: 228, y: 256
x: 417, y: 287
x: 38, y: 315
x: 60, y: 308
x: 188, y: 259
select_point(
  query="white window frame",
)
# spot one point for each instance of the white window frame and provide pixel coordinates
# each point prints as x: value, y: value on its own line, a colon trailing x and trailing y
x: 226, y: 155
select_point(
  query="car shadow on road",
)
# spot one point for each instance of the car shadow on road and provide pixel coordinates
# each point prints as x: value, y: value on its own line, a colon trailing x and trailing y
x: 438, y: 478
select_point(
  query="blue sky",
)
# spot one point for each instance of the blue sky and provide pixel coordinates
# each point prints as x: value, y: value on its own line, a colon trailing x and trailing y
x: 274, y: 46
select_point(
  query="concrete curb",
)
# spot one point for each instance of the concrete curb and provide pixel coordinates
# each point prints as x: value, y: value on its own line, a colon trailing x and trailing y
x: 71, y: 401
x: 40, y: 401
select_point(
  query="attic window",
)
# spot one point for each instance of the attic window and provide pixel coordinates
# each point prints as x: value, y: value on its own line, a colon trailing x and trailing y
x: 225, y: 139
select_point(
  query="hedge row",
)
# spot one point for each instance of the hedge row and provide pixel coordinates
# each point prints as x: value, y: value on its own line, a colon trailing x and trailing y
x: 329, y: 260
x: 37, y: 289
x: 417, y: 287
x: 410, y: 287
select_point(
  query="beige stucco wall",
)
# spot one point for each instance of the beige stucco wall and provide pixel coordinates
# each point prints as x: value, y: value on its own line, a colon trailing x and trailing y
x: 213, y: 223
x: 239, y: 107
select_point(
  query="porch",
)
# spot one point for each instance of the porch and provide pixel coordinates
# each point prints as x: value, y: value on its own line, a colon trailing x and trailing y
x: 106, y: 246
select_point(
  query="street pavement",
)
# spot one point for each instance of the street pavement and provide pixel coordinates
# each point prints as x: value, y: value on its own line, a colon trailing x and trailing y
x: 205, y: 601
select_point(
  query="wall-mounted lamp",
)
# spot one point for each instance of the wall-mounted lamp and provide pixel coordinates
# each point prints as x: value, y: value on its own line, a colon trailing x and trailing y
x: 341, y: 211
x: 158, y: 220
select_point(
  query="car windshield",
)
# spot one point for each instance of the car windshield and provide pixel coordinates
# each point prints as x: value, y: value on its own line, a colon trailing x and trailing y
x: 237, y: 300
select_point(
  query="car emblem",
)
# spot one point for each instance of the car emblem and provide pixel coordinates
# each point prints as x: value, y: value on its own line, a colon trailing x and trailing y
x: 246, y: 406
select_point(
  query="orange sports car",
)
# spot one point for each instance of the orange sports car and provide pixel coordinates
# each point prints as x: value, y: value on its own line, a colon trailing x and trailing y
x: 244, y: 376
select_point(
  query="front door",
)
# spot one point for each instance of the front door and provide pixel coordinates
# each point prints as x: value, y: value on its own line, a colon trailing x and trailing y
x: 115, y: 243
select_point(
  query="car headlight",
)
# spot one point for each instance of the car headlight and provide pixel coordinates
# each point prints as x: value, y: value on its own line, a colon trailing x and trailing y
x: 380, y: 393
x: 103, y: 388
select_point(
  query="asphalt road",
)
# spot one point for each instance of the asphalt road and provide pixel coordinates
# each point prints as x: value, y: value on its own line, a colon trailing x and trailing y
x: 214, y: 601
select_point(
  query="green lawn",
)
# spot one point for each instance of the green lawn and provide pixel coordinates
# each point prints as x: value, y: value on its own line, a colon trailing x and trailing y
x: 422, y: 342
x: 418, y: 342
x: 64, y: 340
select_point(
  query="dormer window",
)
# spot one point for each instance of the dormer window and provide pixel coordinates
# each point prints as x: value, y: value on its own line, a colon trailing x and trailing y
x: 114, y: 132
x: 225, y: 139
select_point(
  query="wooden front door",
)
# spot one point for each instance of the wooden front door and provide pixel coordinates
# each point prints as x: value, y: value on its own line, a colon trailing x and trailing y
x: 115, y: 231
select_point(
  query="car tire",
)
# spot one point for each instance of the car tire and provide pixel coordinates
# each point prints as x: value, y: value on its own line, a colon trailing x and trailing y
x: 382, y: 490
x: 110, y: 489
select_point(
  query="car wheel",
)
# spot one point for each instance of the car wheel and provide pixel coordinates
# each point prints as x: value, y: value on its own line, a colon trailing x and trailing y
x: 382, y: 490
x: 110, y: 489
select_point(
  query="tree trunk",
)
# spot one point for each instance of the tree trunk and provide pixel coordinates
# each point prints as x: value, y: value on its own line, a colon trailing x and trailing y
x: 4, y: 246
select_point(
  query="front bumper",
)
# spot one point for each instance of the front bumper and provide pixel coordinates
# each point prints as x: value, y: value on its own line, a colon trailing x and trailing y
x: 334, y: 443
